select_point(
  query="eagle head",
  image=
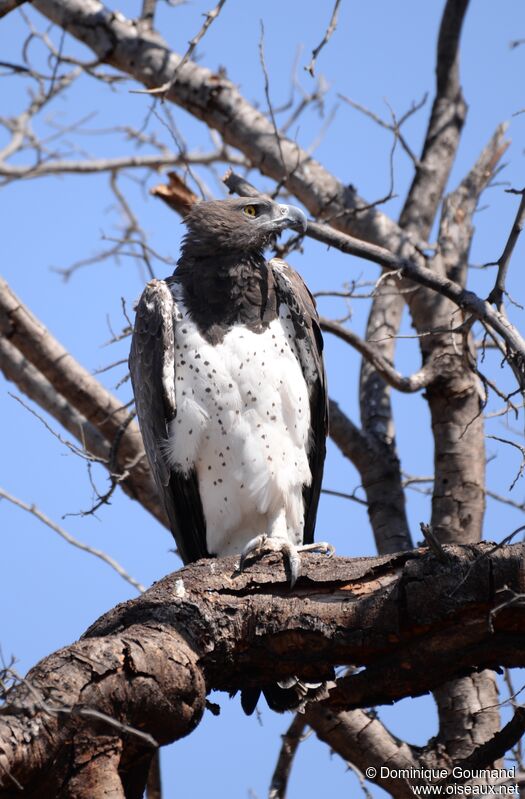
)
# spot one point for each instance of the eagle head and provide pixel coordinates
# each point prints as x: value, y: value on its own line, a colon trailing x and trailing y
x: 241, y: 225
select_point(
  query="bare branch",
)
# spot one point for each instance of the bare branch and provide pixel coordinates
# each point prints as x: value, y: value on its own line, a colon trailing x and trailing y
x: 455, y: 228
x: 43, y: 369
x: 407, y: 385
x: 97, y: 553
x: 217, y: 101
x: 344, y: 495
x: 291, y: 740
x: 492, y: 750
x: 139, y: 655
x: 332, y: 25
x: 147, y: 14
x: 466, y: 300
x: 177, y: 195
x: 267, y: 95
x: 209, y: 17
x: 521, y: 449
x: 394, y: 126
x: 444, y: 128
x: 85, y: 167
x: 498, y: 291
x: 361, y: 739
x: 34, y: 385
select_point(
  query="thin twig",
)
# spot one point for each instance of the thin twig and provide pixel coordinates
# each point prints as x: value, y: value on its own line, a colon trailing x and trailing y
x: 395, y: 126
x: 291, y: 740
x: 71, y: 540
x: 331, y: 493
x: 82, y: 453
x: 499, y: 291
x: 209, y: 17
x: 332, y: 25
x: 518, y: 447
x: 267, y: 95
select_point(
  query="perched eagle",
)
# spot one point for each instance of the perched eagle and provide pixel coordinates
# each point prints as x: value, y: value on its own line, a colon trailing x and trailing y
x: 227, y: 371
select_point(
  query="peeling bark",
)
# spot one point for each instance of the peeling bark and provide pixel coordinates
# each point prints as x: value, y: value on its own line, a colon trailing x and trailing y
x: 407, y: 620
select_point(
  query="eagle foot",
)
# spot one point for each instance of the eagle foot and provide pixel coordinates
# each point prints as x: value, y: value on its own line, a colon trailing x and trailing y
x: 262, y: 544
x: 322, y: 547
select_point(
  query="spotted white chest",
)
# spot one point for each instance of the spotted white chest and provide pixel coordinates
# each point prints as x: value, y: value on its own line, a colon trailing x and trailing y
x: 243, y: 423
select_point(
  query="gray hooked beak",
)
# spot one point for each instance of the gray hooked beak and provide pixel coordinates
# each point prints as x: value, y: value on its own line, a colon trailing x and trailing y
x: 293, y: 217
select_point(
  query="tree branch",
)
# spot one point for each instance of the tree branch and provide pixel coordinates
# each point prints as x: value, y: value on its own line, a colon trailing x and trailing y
x: 455, y: 227
x: 48, y: 374
x: 444, y: 128
x: 362, y: 740
x: 291, y: 740
x: 216, y: 101
x: 407, y: 385
x: 97, y: 165
x: 71, y: 539
x: 332, y: 25
x: 439, y: 283
x: 498, y: 291
x: 407, y: 620
x: 9, y: 5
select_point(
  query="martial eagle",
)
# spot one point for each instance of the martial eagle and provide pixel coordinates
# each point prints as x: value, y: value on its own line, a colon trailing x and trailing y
x: 227, y: 371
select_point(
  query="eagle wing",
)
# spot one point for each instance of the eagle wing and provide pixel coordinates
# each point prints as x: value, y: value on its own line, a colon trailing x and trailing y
x: 152, y: 370
x: 293, y: 292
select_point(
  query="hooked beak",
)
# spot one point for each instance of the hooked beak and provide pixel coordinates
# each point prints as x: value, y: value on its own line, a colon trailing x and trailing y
x: 292, y: 217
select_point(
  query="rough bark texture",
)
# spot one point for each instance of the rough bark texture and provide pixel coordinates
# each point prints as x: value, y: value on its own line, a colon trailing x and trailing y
x: 410, y: 621
x: 382, y: 480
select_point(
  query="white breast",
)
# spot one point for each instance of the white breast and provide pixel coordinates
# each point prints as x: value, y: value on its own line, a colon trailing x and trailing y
x: 243, y: 422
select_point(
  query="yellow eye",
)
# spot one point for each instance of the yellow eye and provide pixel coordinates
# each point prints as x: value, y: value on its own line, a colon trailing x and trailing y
x: 249, y: 210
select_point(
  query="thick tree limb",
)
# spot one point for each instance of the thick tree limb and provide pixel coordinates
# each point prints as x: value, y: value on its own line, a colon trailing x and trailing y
x: 417, y: 216
x: 444, y: 128
x: 34, y: 385
x: 454, y: 398
x: 385, y: 494
x: 363, y: 741
x: 432, y: 170
x: 458, y: 498
x: 456, y: 223
x: 9, y: 5
x: 217, y: 102
x: 48, y: 374
x: 407, y: 620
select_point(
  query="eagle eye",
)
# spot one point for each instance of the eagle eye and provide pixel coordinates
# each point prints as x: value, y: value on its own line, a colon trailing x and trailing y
x: 250, y: 210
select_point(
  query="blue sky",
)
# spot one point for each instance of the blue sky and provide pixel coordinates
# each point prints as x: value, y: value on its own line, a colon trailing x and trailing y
x: 381, y: 52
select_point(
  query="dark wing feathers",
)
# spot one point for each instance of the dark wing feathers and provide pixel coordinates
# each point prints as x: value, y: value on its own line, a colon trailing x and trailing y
x: 152, y: 369
x: 292, y: 291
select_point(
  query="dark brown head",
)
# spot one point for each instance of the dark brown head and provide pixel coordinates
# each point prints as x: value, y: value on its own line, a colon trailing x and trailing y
x: 245, y: 225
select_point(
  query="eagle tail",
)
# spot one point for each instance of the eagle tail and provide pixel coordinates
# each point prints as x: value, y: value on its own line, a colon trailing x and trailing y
x: 292, y: 694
